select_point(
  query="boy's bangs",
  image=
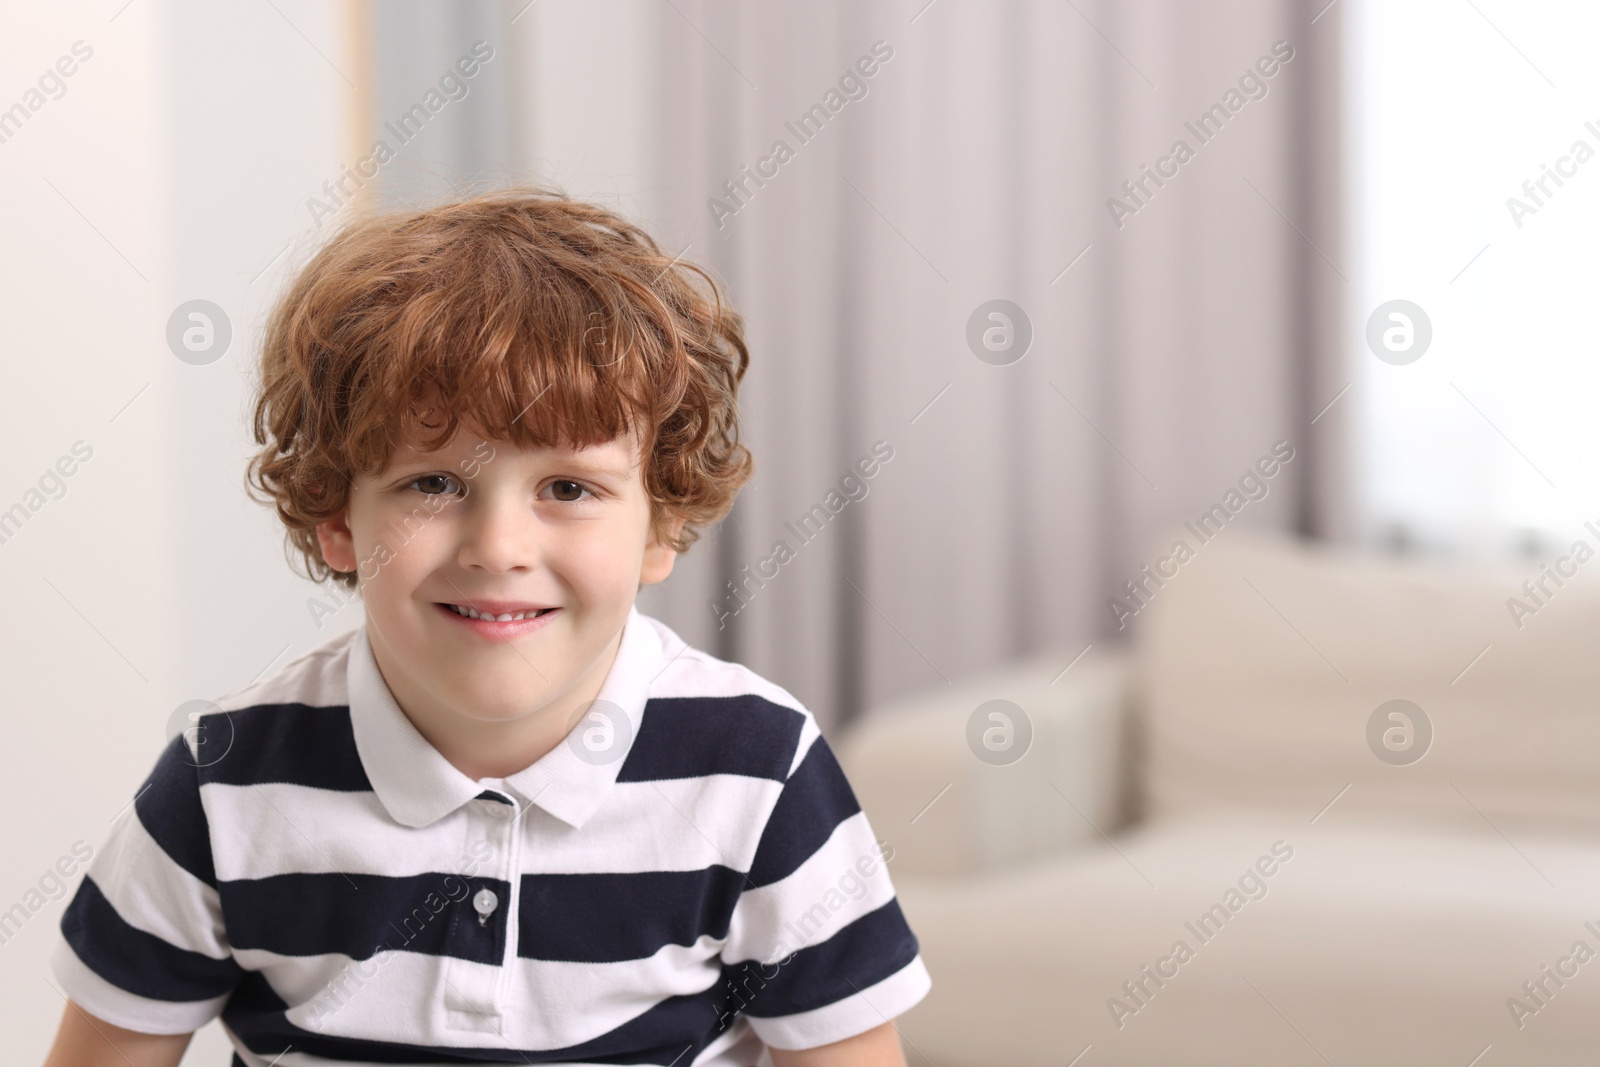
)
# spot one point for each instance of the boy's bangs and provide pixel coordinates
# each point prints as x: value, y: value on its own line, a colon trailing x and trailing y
x: 578, y: 380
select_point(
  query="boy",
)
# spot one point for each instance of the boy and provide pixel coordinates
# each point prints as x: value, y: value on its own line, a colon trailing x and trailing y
x: 509, y: 819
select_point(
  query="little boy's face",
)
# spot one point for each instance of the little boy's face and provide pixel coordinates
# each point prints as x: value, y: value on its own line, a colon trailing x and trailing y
x: 559, y: 539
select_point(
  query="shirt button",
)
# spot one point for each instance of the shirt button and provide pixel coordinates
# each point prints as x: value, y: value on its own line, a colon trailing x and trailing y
x: 484, y: 901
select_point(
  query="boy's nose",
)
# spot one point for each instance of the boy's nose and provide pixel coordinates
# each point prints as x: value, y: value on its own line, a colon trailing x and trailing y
x: 499, y: 536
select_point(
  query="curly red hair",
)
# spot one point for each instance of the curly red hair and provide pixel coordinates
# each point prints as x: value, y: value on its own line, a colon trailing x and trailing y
x: 531, y: 317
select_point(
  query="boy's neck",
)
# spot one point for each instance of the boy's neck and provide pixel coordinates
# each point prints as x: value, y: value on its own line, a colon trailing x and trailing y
x: 480, y: 749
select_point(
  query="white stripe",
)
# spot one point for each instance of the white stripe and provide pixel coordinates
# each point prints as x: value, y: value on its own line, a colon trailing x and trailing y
x: 544, y: 1004
x: 855, y: 1014
x: 737, y: 1046
x: 809, y: 734
x: 278, y: 828
x: 679, y: 824
x: 152, y: 893
x: 842, y: 881
x: 121, y: 1008
x: 297, y: 1059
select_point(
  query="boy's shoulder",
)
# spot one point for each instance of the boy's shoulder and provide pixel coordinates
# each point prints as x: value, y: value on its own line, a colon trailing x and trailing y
x: 721, y: 702
x: 316, y: 678
x: 300, y: 708
x: 691, y: 671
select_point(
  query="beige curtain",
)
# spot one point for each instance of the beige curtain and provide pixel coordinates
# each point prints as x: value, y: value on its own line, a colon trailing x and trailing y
x: 937, y: 157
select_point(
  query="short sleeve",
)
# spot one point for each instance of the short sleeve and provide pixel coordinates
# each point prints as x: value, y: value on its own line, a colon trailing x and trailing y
x: 143, y: 944
x: 818, y: 949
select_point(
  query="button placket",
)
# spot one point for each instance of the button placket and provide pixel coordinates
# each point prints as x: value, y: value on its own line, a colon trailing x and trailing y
x: 474, y: 991
x: 513, y: 878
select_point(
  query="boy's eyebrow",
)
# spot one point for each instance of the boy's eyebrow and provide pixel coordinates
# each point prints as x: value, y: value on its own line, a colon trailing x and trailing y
x: 616, y: 470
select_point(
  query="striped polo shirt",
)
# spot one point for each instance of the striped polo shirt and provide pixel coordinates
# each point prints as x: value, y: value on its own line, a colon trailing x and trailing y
x: 685, y: 877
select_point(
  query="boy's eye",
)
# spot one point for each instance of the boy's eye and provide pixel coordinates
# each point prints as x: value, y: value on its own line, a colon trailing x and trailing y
x: 433, y: 484
x: 567, y: 490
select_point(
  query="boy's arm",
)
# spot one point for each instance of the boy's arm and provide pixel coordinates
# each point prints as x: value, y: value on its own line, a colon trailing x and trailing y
x: 143, y: 941
x: 84, y: 1041
x: 878, y: 1047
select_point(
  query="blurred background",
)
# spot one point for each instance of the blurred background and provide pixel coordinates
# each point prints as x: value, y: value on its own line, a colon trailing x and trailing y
x: 1303, y: 288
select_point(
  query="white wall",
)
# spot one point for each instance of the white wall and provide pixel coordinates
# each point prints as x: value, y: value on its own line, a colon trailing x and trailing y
x: 186, y: 145
x: 191, y: 141
x: 587, y: 71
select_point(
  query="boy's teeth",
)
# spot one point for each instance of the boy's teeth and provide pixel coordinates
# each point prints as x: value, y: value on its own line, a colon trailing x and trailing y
x: 474, y: 613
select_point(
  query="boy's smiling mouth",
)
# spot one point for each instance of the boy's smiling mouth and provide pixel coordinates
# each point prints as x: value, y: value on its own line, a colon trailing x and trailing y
x: 496, y: 613
x: 497, y: 620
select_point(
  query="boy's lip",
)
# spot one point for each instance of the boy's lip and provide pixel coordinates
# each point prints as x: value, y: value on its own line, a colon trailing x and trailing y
x: 495, y: 630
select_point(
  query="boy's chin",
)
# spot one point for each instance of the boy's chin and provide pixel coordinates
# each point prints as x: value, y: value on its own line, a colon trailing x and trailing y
x: 499, y: 703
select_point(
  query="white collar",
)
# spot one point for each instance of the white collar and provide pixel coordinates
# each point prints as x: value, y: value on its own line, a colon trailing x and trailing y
x: 418, y: 786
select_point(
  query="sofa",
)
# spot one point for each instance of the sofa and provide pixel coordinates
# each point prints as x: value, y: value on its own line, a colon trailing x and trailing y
x: 1226, y: 843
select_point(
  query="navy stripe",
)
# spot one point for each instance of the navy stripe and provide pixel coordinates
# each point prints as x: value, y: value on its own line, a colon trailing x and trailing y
x: 688, y: 737
x: 607, y: 918
x: 295, y: 744
x: 861, y: 954
x: 363, y: 914
x: 674, y: 1031
x: 137, y: 961
x: 813, y: 802
x: 563, y: 917
x: 490, y: 794
x: 168, y: 805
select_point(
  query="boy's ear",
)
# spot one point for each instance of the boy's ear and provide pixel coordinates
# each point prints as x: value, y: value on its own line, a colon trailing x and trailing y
x: 337, y: 543
x: 658, y: 555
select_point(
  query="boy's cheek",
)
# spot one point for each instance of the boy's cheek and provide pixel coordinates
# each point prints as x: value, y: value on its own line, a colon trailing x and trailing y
x: 601, y: 568
x: 392, y: 557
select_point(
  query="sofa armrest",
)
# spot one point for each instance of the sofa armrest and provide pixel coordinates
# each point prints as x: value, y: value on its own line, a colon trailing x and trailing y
x: 946, y: 812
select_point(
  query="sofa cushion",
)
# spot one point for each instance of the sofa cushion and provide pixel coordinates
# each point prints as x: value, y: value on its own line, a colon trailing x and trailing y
x: 913, y: 767
x: 1373, y: 943
x: 1261, y: 662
